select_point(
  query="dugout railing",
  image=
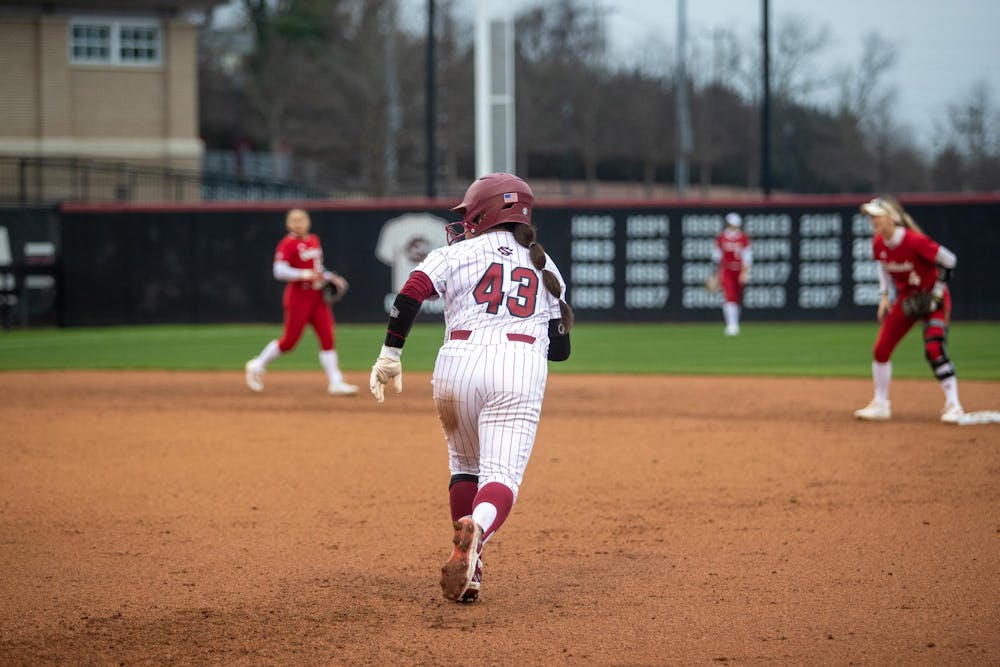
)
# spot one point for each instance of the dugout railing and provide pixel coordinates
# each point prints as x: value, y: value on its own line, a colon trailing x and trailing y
x: 50, y: 180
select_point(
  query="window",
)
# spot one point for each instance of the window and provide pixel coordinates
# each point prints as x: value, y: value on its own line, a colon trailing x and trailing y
x: 90, y: 43
x: 114, y: 42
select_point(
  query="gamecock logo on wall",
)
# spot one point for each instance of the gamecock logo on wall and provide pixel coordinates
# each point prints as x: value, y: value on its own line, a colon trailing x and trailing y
x: 403, y: 243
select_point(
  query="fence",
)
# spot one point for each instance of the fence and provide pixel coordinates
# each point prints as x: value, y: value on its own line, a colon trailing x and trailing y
x: 93, y: 264
x: 29, y: 180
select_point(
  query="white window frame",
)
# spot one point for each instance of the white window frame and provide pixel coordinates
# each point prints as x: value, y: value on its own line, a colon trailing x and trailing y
x: 115, y: 26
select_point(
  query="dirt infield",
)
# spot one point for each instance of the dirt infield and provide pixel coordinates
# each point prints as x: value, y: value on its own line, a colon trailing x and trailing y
x: 176, y: 518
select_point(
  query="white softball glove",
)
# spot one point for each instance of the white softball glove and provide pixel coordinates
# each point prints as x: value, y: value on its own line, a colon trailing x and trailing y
x: 387, y: 367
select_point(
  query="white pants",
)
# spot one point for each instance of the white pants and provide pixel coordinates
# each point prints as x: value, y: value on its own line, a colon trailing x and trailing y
x: 489, y: 399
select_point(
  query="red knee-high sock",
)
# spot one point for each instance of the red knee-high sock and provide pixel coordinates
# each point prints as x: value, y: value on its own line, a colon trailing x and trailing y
x: 501, y: 497
x: 460, y: 496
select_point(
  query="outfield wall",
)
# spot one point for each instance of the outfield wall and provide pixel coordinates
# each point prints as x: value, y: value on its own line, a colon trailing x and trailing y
x: 30, y: 270
x: 623, y: 261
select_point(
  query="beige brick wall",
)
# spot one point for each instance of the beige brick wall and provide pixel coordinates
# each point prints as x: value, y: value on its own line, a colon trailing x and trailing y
x: 124, y: 103
x: 181, y: 46
x: 18, y: 80
x: 55, y: 104
x: 50, y: 107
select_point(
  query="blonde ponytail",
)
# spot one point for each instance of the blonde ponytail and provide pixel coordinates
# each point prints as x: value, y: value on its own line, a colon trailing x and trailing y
x: 901, y: 216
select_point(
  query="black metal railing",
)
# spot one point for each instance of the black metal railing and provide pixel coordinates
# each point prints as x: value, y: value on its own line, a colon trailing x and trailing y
x: 34, y: 180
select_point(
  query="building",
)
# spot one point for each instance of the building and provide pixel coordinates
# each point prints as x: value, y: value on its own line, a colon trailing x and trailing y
x: 95, y: 82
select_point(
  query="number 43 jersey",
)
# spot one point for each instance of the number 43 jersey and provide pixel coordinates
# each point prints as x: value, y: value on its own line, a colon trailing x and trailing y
x: 491, y: 288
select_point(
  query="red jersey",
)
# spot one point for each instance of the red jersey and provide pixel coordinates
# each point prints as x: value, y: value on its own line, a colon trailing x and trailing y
x: 911, y: 263
x: 731, y: 243
x: 301, y: 254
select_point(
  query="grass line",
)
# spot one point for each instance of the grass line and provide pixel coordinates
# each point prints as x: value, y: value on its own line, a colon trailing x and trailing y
x: 771, y: 349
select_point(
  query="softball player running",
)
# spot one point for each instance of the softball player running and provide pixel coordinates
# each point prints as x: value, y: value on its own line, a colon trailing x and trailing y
x: 919, y: 269
x: 298, y: 260
x: 505, y: 316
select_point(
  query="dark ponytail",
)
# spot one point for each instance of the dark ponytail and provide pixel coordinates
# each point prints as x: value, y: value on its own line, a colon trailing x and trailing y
x: 525, y: 235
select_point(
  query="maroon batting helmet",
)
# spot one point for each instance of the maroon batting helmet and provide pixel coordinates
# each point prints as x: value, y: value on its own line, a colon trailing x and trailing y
x: 492, y: 200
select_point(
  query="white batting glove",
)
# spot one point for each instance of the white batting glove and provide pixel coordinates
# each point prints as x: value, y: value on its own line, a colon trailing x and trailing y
x: 387, y: 367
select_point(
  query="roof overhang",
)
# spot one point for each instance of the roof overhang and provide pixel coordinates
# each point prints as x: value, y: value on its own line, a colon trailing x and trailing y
x: 67, y: 6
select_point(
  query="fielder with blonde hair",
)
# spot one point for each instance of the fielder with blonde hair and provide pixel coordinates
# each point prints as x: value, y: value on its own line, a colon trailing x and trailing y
x: 918, y: 268
x: 298, y: 262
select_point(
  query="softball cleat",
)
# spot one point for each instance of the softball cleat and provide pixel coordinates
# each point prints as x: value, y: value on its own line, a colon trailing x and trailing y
x: 952, y: 413
x: 255, y: 376
x: 457, y: 573
x: 341, y: 389
x: 874, y: 411
x: 471, y: 593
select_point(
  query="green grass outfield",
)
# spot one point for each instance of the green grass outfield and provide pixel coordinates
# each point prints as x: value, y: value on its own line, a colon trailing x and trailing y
x: 778, y: 349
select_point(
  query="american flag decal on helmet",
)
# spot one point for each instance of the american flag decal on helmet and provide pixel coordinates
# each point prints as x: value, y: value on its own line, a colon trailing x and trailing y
x: 509, y: 197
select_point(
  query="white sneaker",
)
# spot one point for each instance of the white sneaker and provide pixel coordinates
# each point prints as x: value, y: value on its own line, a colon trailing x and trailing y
x: 733, y: 330
x: 341, y: 389
x: 951, y: 413
x: 255, y: 376
x: 874, y: 411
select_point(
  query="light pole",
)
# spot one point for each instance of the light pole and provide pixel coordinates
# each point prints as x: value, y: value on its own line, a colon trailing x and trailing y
x: 765, y: 114
x: 683, y: 112
x: 431, y: 110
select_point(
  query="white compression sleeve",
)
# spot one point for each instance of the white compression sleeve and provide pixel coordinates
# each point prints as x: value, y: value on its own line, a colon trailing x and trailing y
x: 883, y: 279
x: 945, y: 258
x: 284, y: 271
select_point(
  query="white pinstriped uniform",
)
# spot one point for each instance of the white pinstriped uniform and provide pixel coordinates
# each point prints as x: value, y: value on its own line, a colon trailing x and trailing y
x: 488, y: 388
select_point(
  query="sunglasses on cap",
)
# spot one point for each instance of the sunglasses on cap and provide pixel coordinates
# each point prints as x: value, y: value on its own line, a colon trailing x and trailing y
x: 879, y: 206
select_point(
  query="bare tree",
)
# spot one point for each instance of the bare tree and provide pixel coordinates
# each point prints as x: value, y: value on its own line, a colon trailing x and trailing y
x: 973, y: 134
x: 866, y: 103
x: 799, y: 43
x: 342, y: 84
x: 368, y: 85
x: 456, y: 99
x: 562, y: 48
x: 863, y: 87
x: 739, y: 71
x: 263, y: 62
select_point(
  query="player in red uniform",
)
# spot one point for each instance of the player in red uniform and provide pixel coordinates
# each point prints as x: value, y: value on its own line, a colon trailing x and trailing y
x: 733, y: 256
x: 913, y: 263
x: 298, y: 260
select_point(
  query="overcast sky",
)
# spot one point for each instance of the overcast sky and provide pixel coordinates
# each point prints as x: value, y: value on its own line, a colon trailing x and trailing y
x: 943, y: 47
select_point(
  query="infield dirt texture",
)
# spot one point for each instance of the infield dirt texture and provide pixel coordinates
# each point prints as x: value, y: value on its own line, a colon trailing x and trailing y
x: 176, y: 518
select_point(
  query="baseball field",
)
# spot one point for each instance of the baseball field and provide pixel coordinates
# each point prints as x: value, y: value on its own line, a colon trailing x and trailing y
x: 691, y: 499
